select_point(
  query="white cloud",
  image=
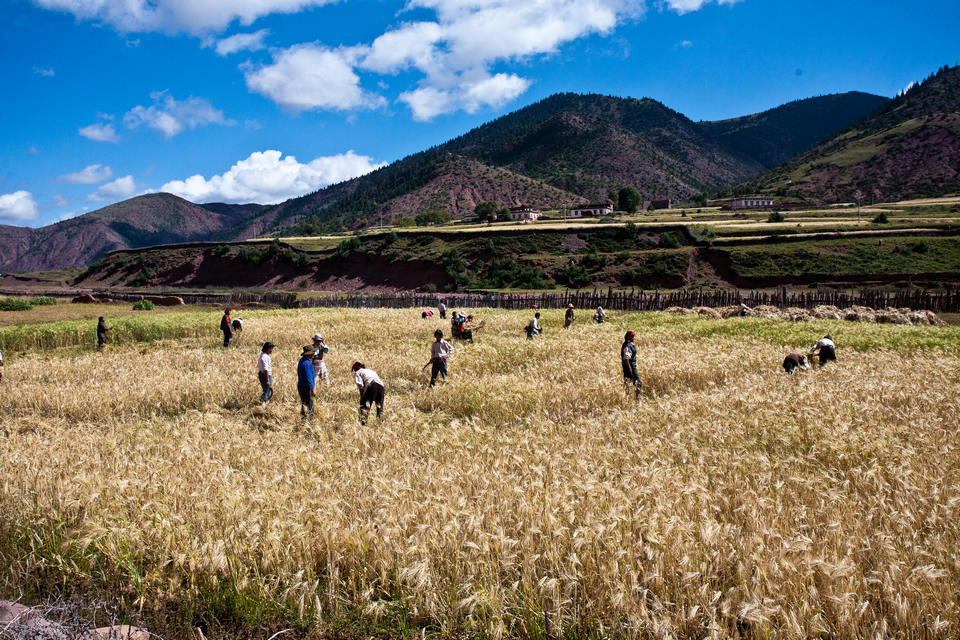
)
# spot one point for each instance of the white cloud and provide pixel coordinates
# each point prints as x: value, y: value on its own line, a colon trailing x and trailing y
x: 100, y: 132
x: 172, y: 16
x: 91, y: 174
x: 241, y: 42
x: 469, y: 95
x: 910, y: 85
x: 120, y: 188
x: 170, y: 116
x: 313, y: 77
x: 60, y: 201
x: 268, y: 177
x: 46, y: 73
x: 455, y: 53
x: 685, y: 44
x: 686, y: 6
x: 18, y: 206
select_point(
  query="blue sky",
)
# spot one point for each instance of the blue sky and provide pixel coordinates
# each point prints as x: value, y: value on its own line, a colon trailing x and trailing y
x: 262, y: 100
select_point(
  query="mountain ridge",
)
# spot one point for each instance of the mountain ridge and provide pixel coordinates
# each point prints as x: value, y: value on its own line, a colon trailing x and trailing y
x: 558, y: 151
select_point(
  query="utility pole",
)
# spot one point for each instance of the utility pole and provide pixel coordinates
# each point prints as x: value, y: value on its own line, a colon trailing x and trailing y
x: 859, y: 197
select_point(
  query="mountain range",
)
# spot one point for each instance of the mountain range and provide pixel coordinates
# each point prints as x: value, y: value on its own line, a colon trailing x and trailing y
x: 567, y: 149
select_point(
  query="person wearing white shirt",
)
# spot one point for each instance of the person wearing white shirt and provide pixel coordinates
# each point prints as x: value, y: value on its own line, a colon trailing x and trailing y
x: 827, y: 349
x: 440, y: 351
x: 265, y: 373
x: 371, y: 390
x: 533, y: 327
x: 600, y: 316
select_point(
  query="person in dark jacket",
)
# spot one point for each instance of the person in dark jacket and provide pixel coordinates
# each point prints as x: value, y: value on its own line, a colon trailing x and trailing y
x: 306, y: 380
x: 102, y: 329
x: 795, y: 361
x: 628, y: 360
x: 226, y: 325
x: 568, y: 317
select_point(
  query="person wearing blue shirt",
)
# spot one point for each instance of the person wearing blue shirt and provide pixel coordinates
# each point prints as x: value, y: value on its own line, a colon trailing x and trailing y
x: 306, y: 382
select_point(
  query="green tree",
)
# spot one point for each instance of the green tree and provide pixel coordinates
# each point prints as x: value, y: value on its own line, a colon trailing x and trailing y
x: 486, y: 210
x: 700, y: 199
x: 431, y: 217
x: 628, y: 199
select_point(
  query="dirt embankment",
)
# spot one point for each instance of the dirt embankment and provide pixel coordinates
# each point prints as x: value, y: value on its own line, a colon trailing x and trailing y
x: 199, y: 268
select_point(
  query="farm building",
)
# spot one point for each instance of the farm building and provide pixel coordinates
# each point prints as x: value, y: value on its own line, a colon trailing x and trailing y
x: 664, y: 203
x: 592, y: 209
x: 524, y: 213
x: 753, y: 202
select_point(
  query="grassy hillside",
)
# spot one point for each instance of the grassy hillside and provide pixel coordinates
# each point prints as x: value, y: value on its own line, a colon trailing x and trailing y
x: 910, y: 147
x: 775, y: 136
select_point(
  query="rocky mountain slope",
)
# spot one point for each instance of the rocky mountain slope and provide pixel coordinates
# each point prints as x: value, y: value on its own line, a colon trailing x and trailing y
x: 562, y: 150
x: 910, y: 147
x: 158, y: 218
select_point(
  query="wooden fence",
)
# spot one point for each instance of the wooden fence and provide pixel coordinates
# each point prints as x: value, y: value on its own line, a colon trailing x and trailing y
x: 938, y: 301
x: 634, y: 300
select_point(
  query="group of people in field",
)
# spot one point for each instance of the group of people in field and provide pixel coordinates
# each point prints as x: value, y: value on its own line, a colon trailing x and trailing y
x: 312, y: 370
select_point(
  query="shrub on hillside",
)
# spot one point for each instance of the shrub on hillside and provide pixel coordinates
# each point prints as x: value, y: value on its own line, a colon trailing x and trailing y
x: 776, y: 216
x: 39, y: 301
x: 14, y: 304
x: 881, y: 218
x: 143, y: 305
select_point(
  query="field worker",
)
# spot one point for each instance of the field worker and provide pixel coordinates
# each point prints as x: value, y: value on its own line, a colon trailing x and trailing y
x: 533, y: 327
x: 442, y: 308
x: 744, y: 309
x: 795, y: 361
x: 102, y: 329
x: 628, y: 359
x: 1, y: 366
x: 827, y: 349
x: 227, y: 327
x: 568, y: 317
x: 265, y: 373
x: 319, y: 366
x: 371, y: 390
x: 600, y: 316
x: 440, y: 351
x: 426, y: 314
x: 306, y: 383
x: 236, y: 324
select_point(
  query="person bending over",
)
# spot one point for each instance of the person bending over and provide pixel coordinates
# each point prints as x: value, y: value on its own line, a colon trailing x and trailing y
x: 371, y: 391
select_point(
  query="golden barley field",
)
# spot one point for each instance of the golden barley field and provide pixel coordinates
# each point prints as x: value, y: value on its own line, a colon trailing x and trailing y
x: 529, y: 496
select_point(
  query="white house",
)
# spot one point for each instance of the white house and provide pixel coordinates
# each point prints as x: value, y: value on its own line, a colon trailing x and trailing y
x: 592, y: 209
x: 523, y: 213
x: 751, y: 203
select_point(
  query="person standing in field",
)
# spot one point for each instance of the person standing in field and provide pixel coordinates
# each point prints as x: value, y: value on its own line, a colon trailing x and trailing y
x: 102, y: 329
x: 306, y: 382
x: 442, y: 308
x: 226, y: 325
x: 600, y: 316
x: 568, y: 317
x: 440, y: 351
x: 319, y: 366
x: 827, y: 350
x: 265, y: 373
x: 533, y: 327
x: 628, y: 360
x: 795, y: 361
x: 1, y: 366
x: 371, y: 391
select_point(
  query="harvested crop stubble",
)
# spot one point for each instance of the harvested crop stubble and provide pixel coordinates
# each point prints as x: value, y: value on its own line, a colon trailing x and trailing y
x: 528, y: 496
